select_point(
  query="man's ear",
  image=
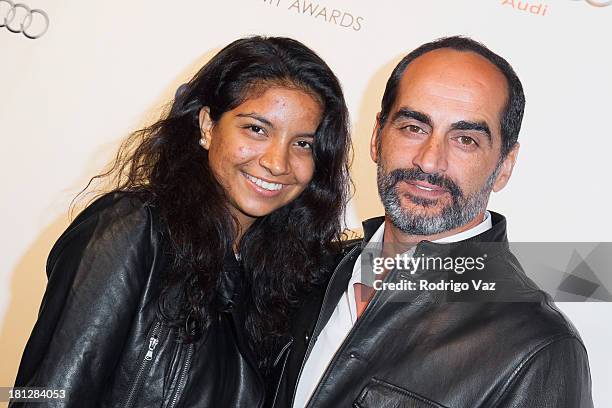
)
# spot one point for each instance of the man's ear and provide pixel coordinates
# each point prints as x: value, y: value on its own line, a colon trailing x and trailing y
x: 206, y: 125
x: 374, y: 140
x: 506, y: 168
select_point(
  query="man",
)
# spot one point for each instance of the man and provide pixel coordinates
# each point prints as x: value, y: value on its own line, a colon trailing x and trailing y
x: 446, y: 137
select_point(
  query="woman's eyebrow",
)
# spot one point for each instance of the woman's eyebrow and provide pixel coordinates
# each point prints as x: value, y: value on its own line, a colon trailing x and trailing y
x: 256, y: 117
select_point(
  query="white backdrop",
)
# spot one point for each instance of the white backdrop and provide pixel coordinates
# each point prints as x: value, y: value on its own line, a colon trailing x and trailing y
x: 103, y: 69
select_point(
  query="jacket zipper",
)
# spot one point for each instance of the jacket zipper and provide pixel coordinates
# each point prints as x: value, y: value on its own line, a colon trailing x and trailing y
x: 310, y: 341
x: 153, y: 342
x: 183, y: 378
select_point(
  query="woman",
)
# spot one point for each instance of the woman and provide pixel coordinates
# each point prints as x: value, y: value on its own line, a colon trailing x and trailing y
x: 175, y: 289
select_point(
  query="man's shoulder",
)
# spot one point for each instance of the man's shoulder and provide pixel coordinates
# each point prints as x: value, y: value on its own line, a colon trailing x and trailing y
x: 522, y: 304
x: 531, y: 325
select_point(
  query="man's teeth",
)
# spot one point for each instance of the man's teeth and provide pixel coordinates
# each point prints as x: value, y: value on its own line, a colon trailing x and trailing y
x: 264, y: 184
x: 423, y: 188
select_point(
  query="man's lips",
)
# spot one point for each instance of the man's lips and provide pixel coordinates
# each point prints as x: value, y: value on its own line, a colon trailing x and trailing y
x: 424, y: 189
x: 425, y: 186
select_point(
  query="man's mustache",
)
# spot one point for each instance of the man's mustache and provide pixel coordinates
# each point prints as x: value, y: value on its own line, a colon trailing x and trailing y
x: 416, y: 174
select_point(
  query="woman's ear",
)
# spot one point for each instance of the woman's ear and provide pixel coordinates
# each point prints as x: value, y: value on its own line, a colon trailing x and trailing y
x: 206, y: 125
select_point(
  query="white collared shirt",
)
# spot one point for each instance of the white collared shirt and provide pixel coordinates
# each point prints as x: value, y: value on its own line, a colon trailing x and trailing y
x: 345, y: 315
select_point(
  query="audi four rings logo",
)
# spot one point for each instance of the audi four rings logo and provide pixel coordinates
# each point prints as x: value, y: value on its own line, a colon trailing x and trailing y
x: 19, y: 18
x: 598, y: 3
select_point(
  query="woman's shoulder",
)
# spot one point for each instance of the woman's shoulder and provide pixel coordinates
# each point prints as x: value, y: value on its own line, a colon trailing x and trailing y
x: 114, y: 218
x: 117, y: 203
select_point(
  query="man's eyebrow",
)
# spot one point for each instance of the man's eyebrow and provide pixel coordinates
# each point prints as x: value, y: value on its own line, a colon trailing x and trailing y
x: 256, y: 117
x: 477, y: 126
x: 406, y: 113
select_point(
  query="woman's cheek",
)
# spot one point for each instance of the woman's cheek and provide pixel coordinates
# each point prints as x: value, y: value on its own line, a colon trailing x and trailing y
x: 245, y: 152
x: 306, y: 171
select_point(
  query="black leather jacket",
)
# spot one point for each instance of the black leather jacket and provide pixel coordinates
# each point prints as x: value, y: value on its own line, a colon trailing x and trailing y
x: 515, y: 349
x: 99, y: 335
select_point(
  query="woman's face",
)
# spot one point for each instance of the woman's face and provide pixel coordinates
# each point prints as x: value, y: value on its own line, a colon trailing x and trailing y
x: 261, y: 151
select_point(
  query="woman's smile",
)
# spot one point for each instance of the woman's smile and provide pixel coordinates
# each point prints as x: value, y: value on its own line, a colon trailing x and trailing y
x: 264, y: 187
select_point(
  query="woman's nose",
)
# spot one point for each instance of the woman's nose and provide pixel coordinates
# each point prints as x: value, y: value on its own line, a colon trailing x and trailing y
x: 275, y: 159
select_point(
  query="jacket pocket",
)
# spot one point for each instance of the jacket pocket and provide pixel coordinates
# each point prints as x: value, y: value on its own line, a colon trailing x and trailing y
x: 381, y: 394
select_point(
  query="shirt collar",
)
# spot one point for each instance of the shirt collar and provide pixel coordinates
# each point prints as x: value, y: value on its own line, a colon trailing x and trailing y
x: 378, y: 237
x: 485, y: 225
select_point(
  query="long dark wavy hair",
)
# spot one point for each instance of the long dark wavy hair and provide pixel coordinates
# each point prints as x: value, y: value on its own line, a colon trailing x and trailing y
x: 283, y: 253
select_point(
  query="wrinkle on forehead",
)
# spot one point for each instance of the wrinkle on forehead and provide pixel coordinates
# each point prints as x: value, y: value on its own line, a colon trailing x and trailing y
x: 455, y: 92
x: 463, y: 74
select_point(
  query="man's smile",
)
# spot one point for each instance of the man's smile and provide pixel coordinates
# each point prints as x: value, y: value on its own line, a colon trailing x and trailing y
x: 423, y: 189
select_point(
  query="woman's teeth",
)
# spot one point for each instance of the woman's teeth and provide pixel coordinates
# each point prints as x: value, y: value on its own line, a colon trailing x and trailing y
x: 264, y: 184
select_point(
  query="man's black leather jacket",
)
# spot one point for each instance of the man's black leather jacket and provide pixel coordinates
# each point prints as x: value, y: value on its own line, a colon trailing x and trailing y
x: 414, y: 349
x: 99, y: 334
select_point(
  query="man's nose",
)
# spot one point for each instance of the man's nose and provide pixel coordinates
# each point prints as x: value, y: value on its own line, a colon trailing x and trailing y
x: 275, y: 159
x: 431, y: 156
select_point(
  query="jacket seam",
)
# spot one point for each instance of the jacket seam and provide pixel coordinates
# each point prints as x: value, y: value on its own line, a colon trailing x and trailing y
x: 571, y: 327
x: 521, y: 275
x: 59, y: 246
x: 530, y: 357
x: 94, y: 216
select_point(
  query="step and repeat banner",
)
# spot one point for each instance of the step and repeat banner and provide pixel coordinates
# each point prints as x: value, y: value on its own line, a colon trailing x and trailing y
x: 77, y: 78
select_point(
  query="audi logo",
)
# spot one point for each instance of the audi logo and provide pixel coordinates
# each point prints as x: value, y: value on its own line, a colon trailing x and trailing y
x: 19, y: 18
x: 598, y: 3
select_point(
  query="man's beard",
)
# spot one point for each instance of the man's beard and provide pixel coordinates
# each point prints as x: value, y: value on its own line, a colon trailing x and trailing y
x: 460, y: 211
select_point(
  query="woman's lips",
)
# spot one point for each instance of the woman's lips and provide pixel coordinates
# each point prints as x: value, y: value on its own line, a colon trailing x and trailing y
x: 263, y: 187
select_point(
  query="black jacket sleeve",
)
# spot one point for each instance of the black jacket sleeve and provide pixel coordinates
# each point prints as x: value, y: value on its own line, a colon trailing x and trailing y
x: 96, y: 271
x: 555, y: 376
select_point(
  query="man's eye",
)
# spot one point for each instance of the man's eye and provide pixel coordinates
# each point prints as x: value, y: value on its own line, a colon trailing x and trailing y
x: 467, y: 141
x: 414, y: 129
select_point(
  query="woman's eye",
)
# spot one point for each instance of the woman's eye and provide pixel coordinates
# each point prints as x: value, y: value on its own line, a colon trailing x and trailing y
x: 256, y: 129
x: 304, y: 144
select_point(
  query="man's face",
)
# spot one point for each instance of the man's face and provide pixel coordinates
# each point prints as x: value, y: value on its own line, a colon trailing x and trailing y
x: 438, y: 153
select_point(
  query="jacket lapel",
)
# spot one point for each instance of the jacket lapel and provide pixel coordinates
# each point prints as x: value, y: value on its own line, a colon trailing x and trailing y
x: 336, y: 287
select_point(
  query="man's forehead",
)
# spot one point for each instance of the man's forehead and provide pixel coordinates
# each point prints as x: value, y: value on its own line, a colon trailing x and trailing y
x: 463, y: 76
x: 451, y: 86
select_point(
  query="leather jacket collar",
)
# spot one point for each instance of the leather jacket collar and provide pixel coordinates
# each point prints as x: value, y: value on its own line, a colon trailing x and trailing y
x: 497, y: 233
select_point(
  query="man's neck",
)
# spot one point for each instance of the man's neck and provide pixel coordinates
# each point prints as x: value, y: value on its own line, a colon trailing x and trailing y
x: 396, y: 241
